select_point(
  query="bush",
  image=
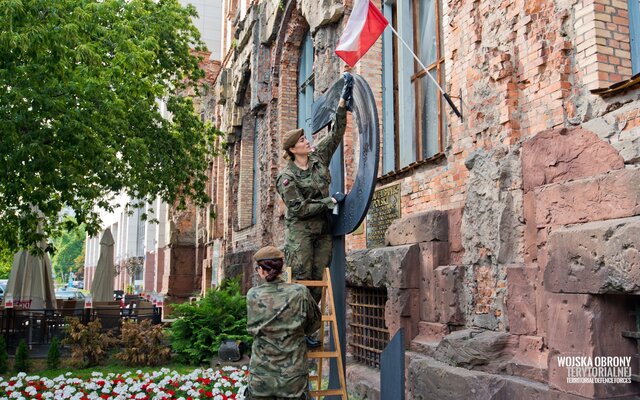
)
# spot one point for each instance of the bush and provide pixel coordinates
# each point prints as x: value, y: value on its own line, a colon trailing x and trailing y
x: 22, y: 359
x: 89, y: 347
x: 4, y: 366
x: 201, y: 326
x: 143, y: 344
x: 53, y: 356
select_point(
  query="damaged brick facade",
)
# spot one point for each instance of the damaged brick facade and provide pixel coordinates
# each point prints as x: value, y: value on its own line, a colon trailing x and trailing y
x: 518, y: 237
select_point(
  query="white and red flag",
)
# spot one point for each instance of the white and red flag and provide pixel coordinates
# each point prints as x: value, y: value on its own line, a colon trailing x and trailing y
x: 364, y: 27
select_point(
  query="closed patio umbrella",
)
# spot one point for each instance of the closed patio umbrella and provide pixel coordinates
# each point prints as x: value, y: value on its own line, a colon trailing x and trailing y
x: 102, y: 285
x: 31, y: 282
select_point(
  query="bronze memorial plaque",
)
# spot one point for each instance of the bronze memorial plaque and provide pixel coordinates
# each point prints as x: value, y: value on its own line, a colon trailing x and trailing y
x: 384, y: 209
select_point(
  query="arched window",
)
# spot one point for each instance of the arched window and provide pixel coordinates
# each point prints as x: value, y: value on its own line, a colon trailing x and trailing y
x: 305, y: 85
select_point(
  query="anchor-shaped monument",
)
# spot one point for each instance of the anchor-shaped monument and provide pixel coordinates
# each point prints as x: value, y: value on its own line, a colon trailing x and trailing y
x: 353, y: 210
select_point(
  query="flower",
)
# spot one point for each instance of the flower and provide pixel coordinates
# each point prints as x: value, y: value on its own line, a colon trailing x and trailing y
x: 227, y: 383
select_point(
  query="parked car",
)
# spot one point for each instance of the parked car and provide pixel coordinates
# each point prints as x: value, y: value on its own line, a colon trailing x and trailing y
x: 69, y: 294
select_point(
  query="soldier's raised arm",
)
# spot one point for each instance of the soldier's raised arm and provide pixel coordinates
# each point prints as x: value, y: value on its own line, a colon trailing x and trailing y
x: 328, y: 145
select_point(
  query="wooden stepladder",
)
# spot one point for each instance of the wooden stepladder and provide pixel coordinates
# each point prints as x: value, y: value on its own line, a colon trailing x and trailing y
x: 328, y: 309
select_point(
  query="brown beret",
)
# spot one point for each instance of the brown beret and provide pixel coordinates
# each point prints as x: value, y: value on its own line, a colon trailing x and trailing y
x: 290, y: 138
x: 268, y: 253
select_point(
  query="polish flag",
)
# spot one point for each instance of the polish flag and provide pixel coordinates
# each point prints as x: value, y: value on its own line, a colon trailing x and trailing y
x: 364, y: 27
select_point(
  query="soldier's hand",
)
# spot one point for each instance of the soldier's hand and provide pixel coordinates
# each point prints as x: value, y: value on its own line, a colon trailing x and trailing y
x: 339, y: 197
x: 347, y: 89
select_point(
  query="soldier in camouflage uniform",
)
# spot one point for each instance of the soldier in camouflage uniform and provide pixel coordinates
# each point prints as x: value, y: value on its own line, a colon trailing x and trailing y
x: 304, y: 187
x: 279, y: 315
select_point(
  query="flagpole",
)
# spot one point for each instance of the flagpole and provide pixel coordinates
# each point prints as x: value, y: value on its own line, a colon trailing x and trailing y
x: 446, y: 96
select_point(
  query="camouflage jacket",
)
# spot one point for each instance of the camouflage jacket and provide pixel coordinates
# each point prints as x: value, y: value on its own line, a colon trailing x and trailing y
x: 279, y: 315
x: 306, y: 192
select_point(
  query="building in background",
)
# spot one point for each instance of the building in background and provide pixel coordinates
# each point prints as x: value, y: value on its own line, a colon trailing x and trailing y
x: 164, y: 252
x: 499, y: 242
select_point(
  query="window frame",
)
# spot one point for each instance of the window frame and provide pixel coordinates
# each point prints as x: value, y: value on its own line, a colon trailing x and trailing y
x: 634, y: 34
x: 401, y: 149
x: 305, y: 84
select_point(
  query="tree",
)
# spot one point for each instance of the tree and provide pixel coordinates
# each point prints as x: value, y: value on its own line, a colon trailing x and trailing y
x: 6, y: 259
x: 22, y: 359
x: 81, y: 122
x: 69, y: 247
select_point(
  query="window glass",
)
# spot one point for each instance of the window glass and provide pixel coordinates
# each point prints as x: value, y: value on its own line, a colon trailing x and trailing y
x: 419, y: 119
x: 305, y: 85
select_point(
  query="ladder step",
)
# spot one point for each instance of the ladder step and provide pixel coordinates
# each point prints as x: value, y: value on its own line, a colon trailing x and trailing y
x: 631, y: 334
x: 328, y: 318
x: 326, y: 392
x: 312, y: 283
x: 322, y: 354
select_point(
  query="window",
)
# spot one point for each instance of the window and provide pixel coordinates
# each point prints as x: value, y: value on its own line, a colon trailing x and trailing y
x: 634, y: 34
x: 305, y: 85
x: 415, y: 124
x: 254, y: 196
x: 369, y: 335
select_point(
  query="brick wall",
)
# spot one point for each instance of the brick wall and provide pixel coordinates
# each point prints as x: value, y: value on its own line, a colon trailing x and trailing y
x: 246, y: 174
x: 602, y: 41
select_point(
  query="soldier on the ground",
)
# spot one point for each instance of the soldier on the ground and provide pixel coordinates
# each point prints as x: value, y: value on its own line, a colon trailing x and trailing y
x: 304, y: 187
x: 279, y: 315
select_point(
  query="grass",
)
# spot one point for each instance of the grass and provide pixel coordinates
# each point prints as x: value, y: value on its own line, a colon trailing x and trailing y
x: 38, y: 367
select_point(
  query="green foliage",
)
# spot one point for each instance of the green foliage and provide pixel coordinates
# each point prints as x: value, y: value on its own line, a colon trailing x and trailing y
x: 6, y: 258
x: 53, y: 356
x: 81, y: 123
x: 69, y: 246
x: 200, y: 328
x: 4, y: 366
x: 89, y: 347
x: 22, y: 361
x: 143, y: 344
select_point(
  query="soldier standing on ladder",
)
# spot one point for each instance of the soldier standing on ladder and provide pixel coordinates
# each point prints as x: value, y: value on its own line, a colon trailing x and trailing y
x: 304, y: 187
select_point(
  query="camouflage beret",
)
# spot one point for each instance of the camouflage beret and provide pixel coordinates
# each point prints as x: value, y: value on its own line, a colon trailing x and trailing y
x: 290, y: 138
x: 268, y: 253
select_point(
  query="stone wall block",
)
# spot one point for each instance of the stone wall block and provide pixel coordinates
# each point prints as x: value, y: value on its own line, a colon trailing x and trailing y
x: 478, y: 349
x: 416, y: 228
x: 432, y: 255
x: 433, y: 330
x: 559, y: 155
x: 448, y: 291
x: 455, y: 235
x: 392, y: 267
x: 531, y: 359
x: 492, y: 226
x: 430, y: 379
x: 240, y: 264
x: 321, y: 13
x: 270, y: 14
x: 402, y: 305
x: 530, y: 227
x: 179, y: 271
x: 597, y: 257
x: 612, y: 195
x: 521, y: 299
x: 589, y: 326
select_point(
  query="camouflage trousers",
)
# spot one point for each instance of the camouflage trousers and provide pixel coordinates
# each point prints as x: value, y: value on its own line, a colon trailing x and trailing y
x: 249, y: 396
x: 307, y: 251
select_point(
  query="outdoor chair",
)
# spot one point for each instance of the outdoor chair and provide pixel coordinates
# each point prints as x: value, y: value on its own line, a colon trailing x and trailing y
x: 109, y: 314
x: 69, y: 308
x: 144, y: 310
